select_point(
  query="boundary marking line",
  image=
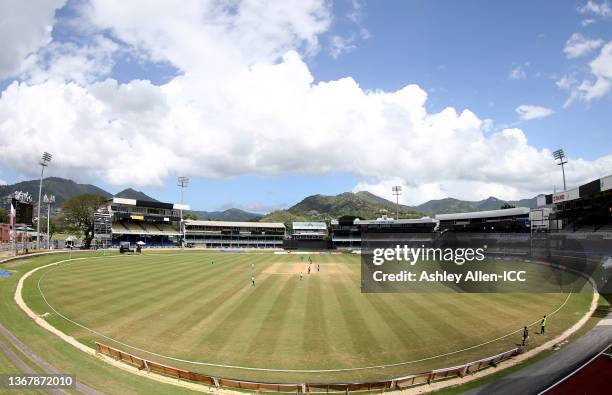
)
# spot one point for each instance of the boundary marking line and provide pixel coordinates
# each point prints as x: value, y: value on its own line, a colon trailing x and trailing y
x: 57, y: 264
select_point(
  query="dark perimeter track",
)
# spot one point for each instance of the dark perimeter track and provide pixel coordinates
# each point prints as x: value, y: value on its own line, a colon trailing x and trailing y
x: 540, y: 375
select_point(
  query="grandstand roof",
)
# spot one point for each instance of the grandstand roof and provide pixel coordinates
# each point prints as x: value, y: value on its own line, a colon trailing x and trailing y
x: 148, y: 203
x: 309, y: 225
x: 584, y: 190
x: 508, y: 212
x: 424, y: 220
x: 236, y: 224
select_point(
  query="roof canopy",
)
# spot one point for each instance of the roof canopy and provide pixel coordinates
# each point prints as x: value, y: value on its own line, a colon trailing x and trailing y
x: 236, y: 224
x: 310, y: 225
x: 508, y: 212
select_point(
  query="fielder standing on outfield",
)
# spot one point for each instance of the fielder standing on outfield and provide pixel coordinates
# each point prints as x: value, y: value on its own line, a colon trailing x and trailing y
x: 301, y: 276
x: 525, y: 335
x: 543, y: 325
x: 253, y: 281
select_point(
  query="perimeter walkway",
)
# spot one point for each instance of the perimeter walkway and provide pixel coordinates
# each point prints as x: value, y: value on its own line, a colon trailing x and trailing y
x: 537, y: 377
x: 37, y: 360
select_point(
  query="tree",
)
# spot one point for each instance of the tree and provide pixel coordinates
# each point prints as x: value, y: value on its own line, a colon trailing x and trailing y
x: 506, y: 205
x: 79, y: 214
x: 190, y: 216
x: 4, y: 218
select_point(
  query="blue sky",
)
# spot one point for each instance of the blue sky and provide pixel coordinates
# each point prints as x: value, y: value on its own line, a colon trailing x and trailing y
x: 485, y: 57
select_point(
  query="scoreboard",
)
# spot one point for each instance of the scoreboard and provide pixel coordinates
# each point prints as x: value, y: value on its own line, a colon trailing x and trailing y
x: 23, y: 212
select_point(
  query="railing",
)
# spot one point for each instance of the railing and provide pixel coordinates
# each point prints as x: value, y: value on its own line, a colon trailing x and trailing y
x: 220, y: 382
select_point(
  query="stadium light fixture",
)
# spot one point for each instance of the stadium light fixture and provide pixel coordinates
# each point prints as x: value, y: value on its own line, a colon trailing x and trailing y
x: 560, y: 156
x: 182, y: 182
x: 44, y: 162
x: 48, y: 200
x: 397, y: 190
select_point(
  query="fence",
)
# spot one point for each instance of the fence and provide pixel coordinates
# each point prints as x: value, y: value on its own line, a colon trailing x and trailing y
x: 220, y: 382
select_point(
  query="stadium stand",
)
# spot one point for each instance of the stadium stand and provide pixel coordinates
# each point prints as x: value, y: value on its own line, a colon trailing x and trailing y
x: 155, y: 223
x: 309, y: 231
x: 390, y: 225
x: 227, y: 234
x: 504, y: 220
x: 585, y: 209
x: 348, y: 233
x: 308, y: 236
x: 345, y: 233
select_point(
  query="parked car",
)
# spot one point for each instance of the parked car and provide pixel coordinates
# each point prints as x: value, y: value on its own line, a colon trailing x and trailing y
x: 125, y: 246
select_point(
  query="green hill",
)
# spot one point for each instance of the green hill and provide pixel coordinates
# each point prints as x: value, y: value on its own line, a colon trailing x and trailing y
x: 61, y: 188
x: 450, y: 205
x: 369, y: 206
x: 323, y: 208
x: 134, y: 194
x: 232, y: 214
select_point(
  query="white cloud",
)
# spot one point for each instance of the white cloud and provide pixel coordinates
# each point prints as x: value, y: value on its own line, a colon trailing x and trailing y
x: 25, y: 27
x: 347, y: 42
x: 518, y: 73
x: 528, y: 112
x: 71, y: 62
x: 600, y: 82
x: 578, y: 45
x: 364, y: 34
x: 460, y: 189
x: 239, y: 108
x: 587, y: 22
x: 193, y: 33
x: 566, y: 82
x: 355, y: 13
x: 341, y: 45
x: 592, y: 7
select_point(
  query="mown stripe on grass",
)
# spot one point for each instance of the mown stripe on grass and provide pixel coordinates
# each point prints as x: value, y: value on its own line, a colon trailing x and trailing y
x: 70, y: 283
x: 222, y: 335
x: 315, y: 341
x: 150, y: 308
x: 114, y: 294
x: 398, y: 323
x: 205, y: 299
x: 104, y: 310
x: 360, y: 334
x: 275, y: 322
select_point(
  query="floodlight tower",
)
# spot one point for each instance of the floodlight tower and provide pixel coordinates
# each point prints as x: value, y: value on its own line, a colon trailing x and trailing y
x: 397, y: 190
x: 48, y: 200
x: 560, y: 156
x: 44, y: 162
x: 182, y: 182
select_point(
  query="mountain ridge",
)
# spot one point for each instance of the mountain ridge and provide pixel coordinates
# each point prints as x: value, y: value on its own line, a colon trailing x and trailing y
x: 363, y: 204
x: 231, y: 214
x: 130, y: 193
x: 62, y: 188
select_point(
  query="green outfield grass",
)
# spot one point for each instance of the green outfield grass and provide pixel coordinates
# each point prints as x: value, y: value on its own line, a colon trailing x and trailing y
x: 182, y: 306
x: 54, y: 350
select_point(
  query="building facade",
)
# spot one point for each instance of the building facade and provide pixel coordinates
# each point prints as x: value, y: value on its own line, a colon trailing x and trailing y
x: 230, y: 234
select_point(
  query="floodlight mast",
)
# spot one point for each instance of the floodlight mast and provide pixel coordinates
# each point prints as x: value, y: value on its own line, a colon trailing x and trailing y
x: 397, y: 190
x: 48, y: 200
x: 182, y: 182
x: 560, y: 156
x: 44, y: 162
